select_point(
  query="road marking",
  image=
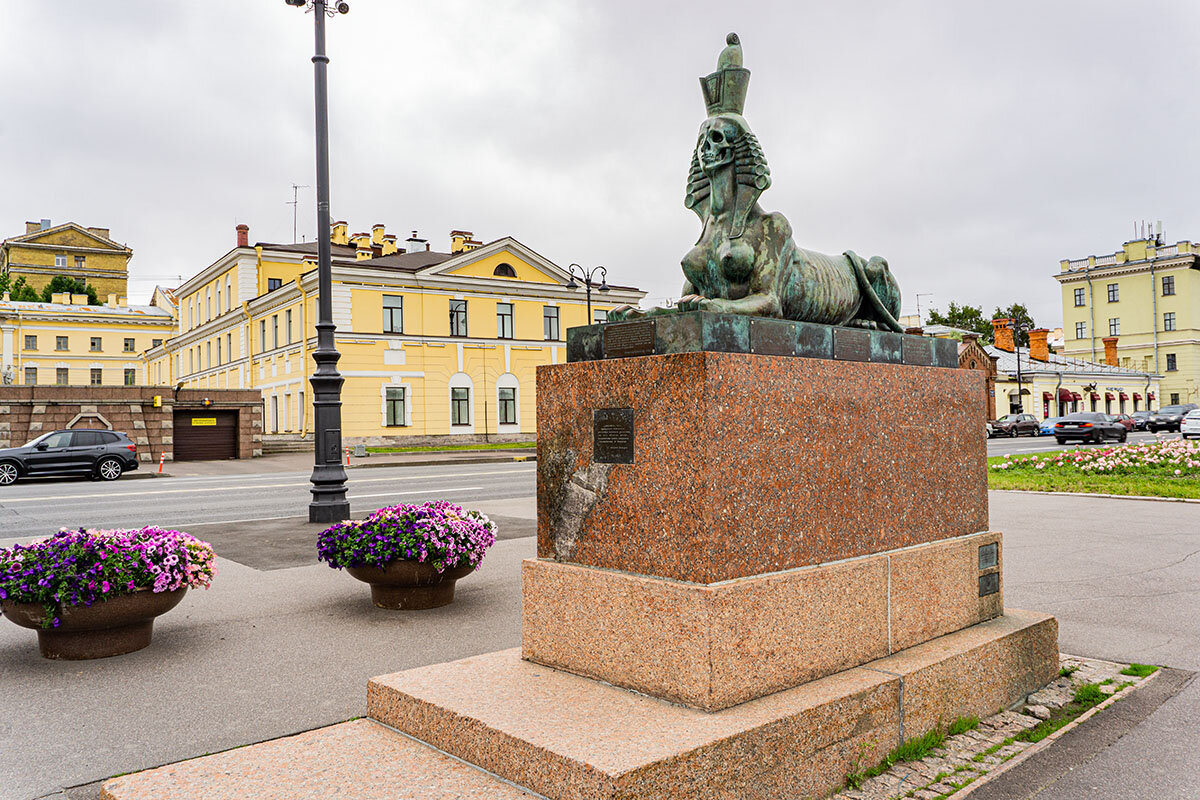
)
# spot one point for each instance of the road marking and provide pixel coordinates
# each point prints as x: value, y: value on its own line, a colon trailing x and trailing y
x: 421, y: 491
x: 255, y: 486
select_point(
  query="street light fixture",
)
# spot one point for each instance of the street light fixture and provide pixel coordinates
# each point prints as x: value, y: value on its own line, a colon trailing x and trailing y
x: 329, y: 503
x: 588, y: 278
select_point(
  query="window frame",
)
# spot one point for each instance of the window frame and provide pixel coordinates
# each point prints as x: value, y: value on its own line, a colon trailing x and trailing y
x: 129, y: 376
x: 60, y: 260
x: 1168, y: 285
x: 274, y: 283
x: 96, y: 344
x: 547, y: 319
x: 1114, y: 292
x: 460, y: 406
x: 504, y: 321
x: 458, y: 317
x: 1168, y: 320
x: 1080, y: 330
x: 30, y: 341
x: 62, y: 376
x: 1172, y: 363
x: 1114, y: 326
x: 62, y: 344
x: 95, y: 376
x: 390, y: 313
x: 395, y: 410
x: 128, y: 344
x: 506, y: 403
x: 34, y: 371
x: 1080, y: 298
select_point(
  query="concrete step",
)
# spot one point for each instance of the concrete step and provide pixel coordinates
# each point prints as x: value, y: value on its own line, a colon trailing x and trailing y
x: 359, y: 760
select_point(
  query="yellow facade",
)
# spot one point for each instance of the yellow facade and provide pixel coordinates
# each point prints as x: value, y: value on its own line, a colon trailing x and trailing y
x: 409, y: 370
x: 87, y: 254
x: 68, y: 342
x: 1148, y: 296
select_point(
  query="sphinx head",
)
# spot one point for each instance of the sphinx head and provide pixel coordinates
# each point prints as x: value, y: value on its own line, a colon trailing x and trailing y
x: 716, y: 142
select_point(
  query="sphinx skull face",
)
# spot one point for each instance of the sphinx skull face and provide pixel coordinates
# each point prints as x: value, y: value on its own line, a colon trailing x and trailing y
x: 715, y: 148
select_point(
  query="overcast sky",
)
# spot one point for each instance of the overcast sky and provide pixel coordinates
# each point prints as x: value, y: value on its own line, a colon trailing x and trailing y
x: 971, y: 144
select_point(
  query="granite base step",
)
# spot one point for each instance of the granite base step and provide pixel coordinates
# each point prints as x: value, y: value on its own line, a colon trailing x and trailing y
x: 359, y: 760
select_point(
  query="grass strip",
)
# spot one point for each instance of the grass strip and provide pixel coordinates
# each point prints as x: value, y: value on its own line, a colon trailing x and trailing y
x: 1140, y: 670
x: 1080, y: 482
x: 912, y: 750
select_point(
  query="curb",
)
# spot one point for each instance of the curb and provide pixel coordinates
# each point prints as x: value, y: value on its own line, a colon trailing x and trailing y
x: 440, y: 462
x: 1107, y: 496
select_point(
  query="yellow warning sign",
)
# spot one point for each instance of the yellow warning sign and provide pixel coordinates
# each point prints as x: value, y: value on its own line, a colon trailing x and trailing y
x: 203, y: 421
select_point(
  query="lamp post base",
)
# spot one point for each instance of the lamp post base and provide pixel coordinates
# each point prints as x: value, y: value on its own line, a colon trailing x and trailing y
x: 329, y: 512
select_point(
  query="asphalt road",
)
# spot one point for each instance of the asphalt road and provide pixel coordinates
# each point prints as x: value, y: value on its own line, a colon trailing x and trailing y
x: 38, y: 508
x: 1039, y: 444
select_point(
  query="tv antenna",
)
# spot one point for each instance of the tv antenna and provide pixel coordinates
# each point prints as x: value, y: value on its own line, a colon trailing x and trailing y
x: 920, y: 319
x: 295, y: 204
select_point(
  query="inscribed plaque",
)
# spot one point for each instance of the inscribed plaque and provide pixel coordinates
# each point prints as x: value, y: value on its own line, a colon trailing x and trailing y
x: 612, y: 436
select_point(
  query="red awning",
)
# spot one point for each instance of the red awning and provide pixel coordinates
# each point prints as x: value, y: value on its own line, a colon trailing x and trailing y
x: 1075, y: 396
x: 1095, y: 395
x: 1150, y: 395
x: 1137, y: 396
x: 1064, y: 395
x: 1109, y: 396
x: 1047, y: 397
x: 1124, y: 396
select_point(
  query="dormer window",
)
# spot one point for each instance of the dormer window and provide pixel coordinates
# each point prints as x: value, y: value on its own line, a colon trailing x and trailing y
x: 504, y: 271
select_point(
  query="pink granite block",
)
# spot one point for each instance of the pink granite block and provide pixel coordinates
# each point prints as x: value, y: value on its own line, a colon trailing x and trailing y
x: 358, y: 760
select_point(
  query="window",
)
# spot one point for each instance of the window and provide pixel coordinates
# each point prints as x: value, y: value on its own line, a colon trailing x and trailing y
x: 1114, y: 293
x: 1171, y: 364
x: 550, y: 323
x: 30, y: 342
x: 155, y: 342
x: 191, y: 360
x: 274, y: 283
x: 97, y: 376
x: 128, y: 347
x: 460, y: 406
x: 393, y: 313
x: 287, y: 325
x: 508, y: 406
x: 30, y: 376
x: 1168, y: 285
x: 1174, y: 398
x: 504, y: 320
x: 262, y: 336
x: 80, y: 262
x: 60, y: 260
x: 1169, y: 321
x: 1079, y: 297
x: 61, y: 376
x: 504, y: 271
x: 274, y: 330
x: 218, y: 351
x: 599, y: 316
x: 1114, y: 326
x: 62, y: 439
x: 229, y: 346
x: 228, y: 292
x: 60, y: 343
x: 393, y: 401
x: 218, y: 298
x: 1080, y: 330
x: 458, y: 318
x: 130, y: 377
x: 207, y: 354
x: 95, y: 346
x: 208, y: 305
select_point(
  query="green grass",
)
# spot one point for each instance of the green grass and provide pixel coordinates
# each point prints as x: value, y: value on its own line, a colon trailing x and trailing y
x: 1061, y: 480
x: 962, y: 725
x: 1087, y: 696
x: 912, y: 750
x: 453, y: 447
x: 1067, y: 672
x: 1139, y: 670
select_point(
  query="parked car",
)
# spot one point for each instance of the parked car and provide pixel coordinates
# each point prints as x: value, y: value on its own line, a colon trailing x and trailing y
x: 102, y: 454
x: 1016, y: 425
x: 1088, y: 426
x: 1168, y: 418
x: 1191, y: 425
x: 991, y: 430
x: 1123, y: 419
x: 1047, y: 427
x: 1140, y: 418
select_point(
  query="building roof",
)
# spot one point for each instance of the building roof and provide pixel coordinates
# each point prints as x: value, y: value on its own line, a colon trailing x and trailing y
x: 1006, y: 363
x: 945, y: 331
x: 63, y: 308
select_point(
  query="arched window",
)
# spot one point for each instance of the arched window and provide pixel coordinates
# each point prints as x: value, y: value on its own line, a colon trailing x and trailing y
x: 504, y: 271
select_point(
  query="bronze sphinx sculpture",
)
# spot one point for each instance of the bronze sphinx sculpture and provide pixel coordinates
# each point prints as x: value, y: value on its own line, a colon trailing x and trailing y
x: 745, y: 261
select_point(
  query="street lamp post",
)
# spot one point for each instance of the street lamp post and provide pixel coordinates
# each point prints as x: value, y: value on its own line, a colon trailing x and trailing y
x: 588, y: 278
x: 329, y: 503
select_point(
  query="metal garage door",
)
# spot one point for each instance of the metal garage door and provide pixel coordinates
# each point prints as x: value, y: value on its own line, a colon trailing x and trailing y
x: 203, y: 435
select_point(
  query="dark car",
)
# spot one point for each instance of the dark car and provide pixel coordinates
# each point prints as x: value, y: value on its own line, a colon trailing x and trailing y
x: 1016, y: 425
x: 1088, y: 426
x: 102, y: 454
x: 1140, y: 418
x: 1168, y: 418
x: 1124, y: 419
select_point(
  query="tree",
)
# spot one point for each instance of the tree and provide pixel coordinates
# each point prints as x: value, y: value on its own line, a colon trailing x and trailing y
x: 1020, y: 315
x: 64, y: 283
x: 969, y: 318
x: 18, y: 289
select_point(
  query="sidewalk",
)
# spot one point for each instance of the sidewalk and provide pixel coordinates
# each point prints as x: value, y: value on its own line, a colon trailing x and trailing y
x: 303, y: 462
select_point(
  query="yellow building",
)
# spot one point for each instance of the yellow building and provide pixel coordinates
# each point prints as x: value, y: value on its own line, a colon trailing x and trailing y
x: 1146, y: 299
x: 68, y: 342
x: 432, y: 344
x: 86, y: 254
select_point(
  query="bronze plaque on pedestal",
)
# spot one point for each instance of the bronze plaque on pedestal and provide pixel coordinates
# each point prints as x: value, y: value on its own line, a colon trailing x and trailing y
x: 612, y: 436
x: 625, y: 339
x: 851, y: 344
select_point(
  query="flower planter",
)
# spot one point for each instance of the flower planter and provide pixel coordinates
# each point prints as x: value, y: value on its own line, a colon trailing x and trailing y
x: 410, y: 585
x: 112, y: 627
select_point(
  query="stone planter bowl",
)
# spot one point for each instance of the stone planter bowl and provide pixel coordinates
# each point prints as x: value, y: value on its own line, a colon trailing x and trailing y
x: 112, y: 627
x: 410, y: 585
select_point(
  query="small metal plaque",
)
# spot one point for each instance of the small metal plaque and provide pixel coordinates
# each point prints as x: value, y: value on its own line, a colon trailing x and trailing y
x: 612, y: 436
x: 989, y: 556
x: 918, y: 351
x: 625, y: 339
x: 850, y: 344
x: 769, y: 337
x: 333, y: 445
x: 989, y: 584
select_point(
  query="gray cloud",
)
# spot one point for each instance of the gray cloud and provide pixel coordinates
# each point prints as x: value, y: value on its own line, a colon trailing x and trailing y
x: 973, y: 145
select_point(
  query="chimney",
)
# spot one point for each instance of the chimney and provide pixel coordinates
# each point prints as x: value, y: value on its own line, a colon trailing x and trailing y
x: 61, y: 298
x: 414, y: 243
x: 389, y: 244
x: 1002, y: 334
x: 1039, y: 350
x: 915, y: 331
x: 243, y: 235
x: 32, y: 227
x: 458, y: 241
x: 78, y: 299
x: 362, y: 246
x: 340, y: 233
x: 112, y: 301
x: 103, y: 233
x: 1110, y: 350
x: 377, y: 232
x: 970, y: 338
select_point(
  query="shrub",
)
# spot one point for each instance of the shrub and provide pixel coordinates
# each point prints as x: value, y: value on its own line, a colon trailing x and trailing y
x: 441, y: 534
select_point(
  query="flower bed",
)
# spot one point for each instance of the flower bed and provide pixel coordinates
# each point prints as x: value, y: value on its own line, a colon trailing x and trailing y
x: 77, y: 568
x: 438, y: 533
x: 1169, y: 468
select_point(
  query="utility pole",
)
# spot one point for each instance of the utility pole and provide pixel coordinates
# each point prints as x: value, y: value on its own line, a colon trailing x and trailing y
x: 295, y: 204
x: 920, y: 319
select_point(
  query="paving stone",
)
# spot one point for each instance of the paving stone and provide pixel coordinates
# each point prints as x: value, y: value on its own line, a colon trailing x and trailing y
x: 1041, y: 712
